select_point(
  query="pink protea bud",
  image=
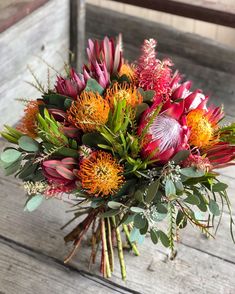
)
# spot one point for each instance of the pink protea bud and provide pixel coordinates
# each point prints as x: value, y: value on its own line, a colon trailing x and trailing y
x: 59, y: 174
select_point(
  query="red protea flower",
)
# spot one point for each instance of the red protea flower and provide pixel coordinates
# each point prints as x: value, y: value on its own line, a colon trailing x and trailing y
x: 104, y: 60
x: 166, y: 135
x: 59, y: 175
x: 152, y: 73
x: 104, y: 57
x: 71, y: 86
x: 191, y: 100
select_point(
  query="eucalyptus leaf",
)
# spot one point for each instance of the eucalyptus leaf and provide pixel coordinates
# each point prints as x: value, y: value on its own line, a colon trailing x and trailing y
x: 181, y: 156
x: 28, y: 144
x: 110, y: 213
x: 192, y: 172
x: 34, y: 203
x: 170, y: 188
x: 139, y: 221
x: 136, y: 209
x: 10, y: 156
x: 163, y: 237
x: 154, y: 236
x: 114, y: 204
x: 152, y: 191
x: 93, y: 86
x: 219, y: 187
x: 135, y: 236
x: 13, y: 168
x: 214, y: 207
x: 192, y: 199
x: 139, y: 195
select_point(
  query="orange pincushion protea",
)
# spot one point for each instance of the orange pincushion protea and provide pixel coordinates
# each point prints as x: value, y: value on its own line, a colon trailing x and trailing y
x: 28, y: 124
x: 123, y: 92
x: 203, y: 127
x: 100, y: 174
x: 129, y: 71
x: 89, y: 112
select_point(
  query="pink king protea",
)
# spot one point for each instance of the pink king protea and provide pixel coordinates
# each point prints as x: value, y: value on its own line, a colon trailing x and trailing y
x: 166, y: 135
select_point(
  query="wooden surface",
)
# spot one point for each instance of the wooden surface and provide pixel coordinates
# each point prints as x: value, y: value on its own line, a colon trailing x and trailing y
x: 210, y: 11
x: 31, y: 244
x: 12, y: 11
x: 45, y: 34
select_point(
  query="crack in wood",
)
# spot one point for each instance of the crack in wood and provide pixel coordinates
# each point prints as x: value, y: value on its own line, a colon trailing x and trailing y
x: 38, y: 255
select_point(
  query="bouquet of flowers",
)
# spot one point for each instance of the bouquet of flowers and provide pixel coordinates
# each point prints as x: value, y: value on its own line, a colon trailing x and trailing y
x: 134, y: 146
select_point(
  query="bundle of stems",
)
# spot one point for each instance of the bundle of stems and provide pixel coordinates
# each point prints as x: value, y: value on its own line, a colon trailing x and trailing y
x: 107, y: 233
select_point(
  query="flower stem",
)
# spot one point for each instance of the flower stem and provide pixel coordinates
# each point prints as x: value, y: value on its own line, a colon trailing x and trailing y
x: 132, y: 244
x: 110, y: 245
x: 120, y: 250
x: 106, y: 264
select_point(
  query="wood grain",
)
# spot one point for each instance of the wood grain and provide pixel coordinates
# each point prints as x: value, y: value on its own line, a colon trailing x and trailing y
x: 24, y: 271
x: 43, y: 33
x: 214, y: 12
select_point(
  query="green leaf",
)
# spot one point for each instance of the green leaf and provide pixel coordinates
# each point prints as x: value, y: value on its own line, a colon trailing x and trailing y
x: 55, y: 99
x: 181, y: 219
x: 154, y: 236
x: 192, y: 199
x: 28, y: 144
x: 135, y: 236
x: 93, y: 86
x: 110, y: 213
x: 181, y: 156
x: 10, y: 155
x: 93, y: 139
x: 152, y: 191
x: 219, y: 187
x: 139, y: 195
x: 139, y: 221
x: 170, y: 188
x: 163, y: 237
x: 179, y: 186
x: 140, y: 109
x: 114, y: 204
x: 161, y: 208
x: 147, y: 95
x: 214, y: 207
x: 13, y: 168
x: 192, y: 172
x: 203, y: 202
x: 136, y: 209
x: 33, y: 203
x: 144, y: 230
x: 68, y: 103
x: 157, y: 216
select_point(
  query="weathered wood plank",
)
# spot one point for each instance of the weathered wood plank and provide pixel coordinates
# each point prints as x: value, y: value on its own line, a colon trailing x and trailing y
x: 198, y: 50
x: 213, y: 12
x: 24, y: 271
x: 44, y: 33
x: 13, y: 11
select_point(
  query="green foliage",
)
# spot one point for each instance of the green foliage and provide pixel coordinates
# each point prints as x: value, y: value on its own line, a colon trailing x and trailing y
x: 34, y: 202
x: 12, y: 135
x: 50, y: 130
x: 93, y: 86
x: 28, y: 144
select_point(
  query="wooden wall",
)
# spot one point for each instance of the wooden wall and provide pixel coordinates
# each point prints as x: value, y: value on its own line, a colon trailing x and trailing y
x: 43, y: 33
x: 224, y: 35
